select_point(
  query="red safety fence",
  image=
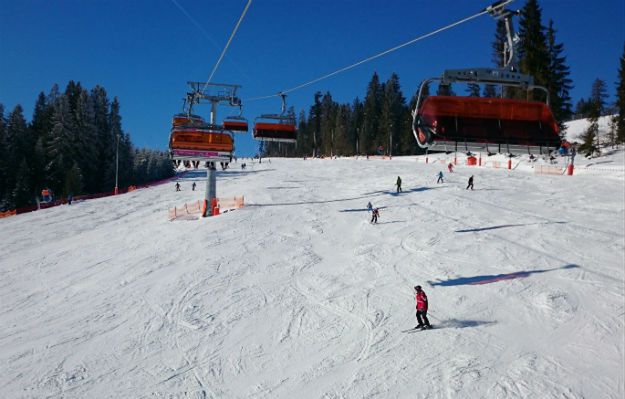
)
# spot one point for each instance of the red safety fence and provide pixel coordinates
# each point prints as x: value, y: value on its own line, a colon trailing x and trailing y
x: 189, y: 209
x: 45, y: 205
x: 218, y: 205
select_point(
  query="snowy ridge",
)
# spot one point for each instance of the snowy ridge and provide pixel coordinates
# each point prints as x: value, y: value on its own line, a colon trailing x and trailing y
x: 297, y: 296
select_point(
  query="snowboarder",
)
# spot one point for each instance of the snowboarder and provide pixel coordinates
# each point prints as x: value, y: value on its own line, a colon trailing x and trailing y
x: 422, y: 308
x: 450, y: 167
x: 193, y: 187
x: 374, y: 216
x: 470, y: 183
x: 398, y: 184
x: 177, y: 186
x: 369, y: 206
x: 440, y: 177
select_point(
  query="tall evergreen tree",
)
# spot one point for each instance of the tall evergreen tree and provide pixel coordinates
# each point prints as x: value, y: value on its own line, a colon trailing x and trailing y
x: 3, y: 165
x: 445, y: 90
x: 73, y: 181
x: 41, y: 128
x: 391, y: 121
x: 18, y: 145
x: 499, y: 45
x: 358, y: 122
x: 23, y: 191
x: 105, y: 144
x: 558, y: 82
x: 86, y: 142
x: 60, y: 150
x: 373, y: 106
x: 590, y: 144
x: 114, y: 139
x: 490, y: 91
x: 599, y: 96
x: 473, y: 89
x: 620, y: 100
x: 533, y: 52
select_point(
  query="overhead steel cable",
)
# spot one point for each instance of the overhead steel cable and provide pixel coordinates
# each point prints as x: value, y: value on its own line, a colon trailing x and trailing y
x: 373, y: 57
x: 234, y: 31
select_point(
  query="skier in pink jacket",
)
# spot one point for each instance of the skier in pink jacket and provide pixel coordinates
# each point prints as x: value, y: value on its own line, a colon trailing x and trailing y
x: 422, y: 308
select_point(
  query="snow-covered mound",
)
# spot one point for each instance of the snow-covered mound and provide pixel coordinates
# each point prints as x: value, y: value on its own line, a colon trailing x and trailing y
x: 297, y: 295
x: 576, y: 128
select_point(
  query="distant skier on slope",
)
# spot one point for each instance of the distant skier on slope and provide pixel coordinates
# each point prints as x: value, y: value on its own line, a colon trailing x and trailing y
x: 369, y: 206
x: 177, y: 186
x: 450, y: 167
x: 470, y: 183
x: 374, y: 215
x: 440, y: 177
x: 193, y: 187
x: 422, y: 308
x: 398, y: 184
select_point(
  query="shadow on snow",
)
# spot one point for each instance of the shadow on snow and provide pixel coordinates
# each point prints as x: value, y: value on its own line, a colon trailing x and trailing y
x: 494, y: 278
x: 455, y: 323
x: 502, y: 226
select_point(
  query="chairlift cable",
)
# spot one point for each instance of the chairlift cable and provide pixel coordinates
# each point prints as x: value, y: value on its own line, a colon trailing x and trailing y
x: 247, y: 6
x: 373, y: 57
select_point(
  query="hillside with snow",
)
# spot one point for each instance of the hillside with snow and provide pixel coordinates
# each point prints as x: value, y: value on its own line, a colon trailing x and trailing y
x: 297, y: 295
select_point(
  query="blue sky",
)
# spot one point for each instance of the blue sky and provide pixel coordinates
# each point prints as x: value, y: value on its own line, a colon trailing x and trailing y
x: 144, y: 52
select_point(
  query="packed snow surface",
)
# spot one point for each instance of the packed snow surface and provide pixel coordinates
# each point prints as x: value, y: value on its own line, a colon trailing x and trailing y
x: 297, y: 295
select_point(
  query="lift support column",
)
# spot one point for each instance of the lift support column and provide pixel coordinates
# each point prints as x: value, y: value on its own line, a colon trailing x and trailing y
x: 211, y: 187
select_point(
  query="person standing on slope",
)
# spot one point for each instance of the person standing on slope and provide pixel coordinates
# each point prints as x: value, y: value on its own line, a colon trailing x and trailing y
x: 450, y: 167
x: 398, y: 184
x: 440, y: 177
x: 422, y: 308
x: 470, y: 183
x: 177, y: 186
x: 374, y: 216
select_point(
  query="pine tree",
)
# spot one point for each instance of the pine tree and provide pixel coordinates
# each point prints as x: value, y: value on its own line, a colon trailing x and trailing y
x: 499, y: 55
x: 302, y: 134
x: 23, y: 192
x: 558, y: 82
x: 357, y: 123
x: 73, y: 181
x: 3, y: 165
x: 612, y: 138
x: 328, y: 118
x: 473, y: 89
x: 41, y: 128
x: 499, y: 44
x: 17, y: 139
x: 599, y: 96
x: 86, y: 141
x: 533, y: 53
x: 490, y: 91
x: 114, y: 138
x: 105, y: 145
x: 393, y: 103
x: 583, y: 108
x: 445, y: 90
x: 620, y: 100
x: 597, y: 101
x: 314, y: 121
x: 373, y: 107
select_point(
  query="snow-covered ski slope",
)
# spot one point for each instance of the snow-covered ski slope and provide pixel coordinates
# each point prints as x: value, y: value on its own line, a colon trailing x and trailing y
x: 298, y: 296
